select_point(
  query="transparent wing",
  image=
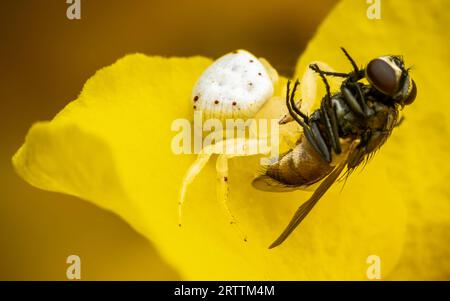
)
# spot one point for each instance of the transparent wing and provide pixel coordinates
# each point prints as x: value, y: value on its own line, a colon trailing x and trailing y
x: 305, y: 208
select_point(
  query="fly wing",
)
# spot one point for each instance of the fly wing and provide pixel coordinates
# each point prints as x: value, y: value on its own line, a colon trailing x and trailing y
x: 306, y: 207
x: 267, y: 183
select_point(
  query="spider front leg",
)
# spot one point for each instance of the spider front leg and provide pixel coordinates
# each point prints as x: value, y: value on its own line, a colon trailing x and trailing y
x: 241, y: 147
x: 189, y: 177
x: 222, y: 189
x: 222, y: 183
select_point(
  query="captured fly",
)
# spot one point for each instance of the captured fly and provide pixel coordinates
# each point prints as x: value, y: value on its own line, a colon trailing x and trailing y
x: 350, y: 124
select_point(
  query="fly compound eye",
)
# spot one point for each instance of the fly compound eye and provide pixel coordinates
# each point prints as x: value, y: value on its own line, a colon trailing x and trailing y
x: 384, y: 75
x: 411, y: 94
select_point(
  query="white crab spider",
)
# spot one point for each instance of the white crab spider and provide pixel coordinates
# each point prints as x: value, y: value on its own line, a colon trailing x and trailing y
x: 235, y: 86
x: 222, y: 92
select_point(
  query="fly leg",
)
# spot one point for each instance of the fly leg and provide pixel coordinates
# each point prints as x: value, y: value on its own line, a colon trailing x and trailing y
x: 350, y: 99
x: 357, y: 102
x: 336, y: 74
x: 328, y: 114
x: 332, y: 128
x: 288, y: 117
x: 311, y: 131
x: 357, y: 73
x: 319, y: 139
x: 361, y: 107
x: 352, y: 61
x: 292, y: 101
x: 309, y: 89
x: 352, y: 82
x: 367, y: 111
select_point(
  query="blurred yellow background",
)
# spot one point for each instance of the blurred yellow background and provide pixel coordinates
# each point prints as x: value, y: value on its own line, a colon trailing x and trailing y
x: 45, y: 60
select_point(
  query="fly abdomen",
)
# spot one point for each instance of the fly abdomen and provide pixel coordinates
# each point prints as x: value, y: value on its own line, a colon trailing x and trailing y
x: 301, y: 166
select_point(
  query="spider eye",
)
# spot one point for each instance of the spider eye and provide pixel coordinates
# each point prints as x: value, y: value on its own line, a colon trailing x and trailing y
x: 383, y: 75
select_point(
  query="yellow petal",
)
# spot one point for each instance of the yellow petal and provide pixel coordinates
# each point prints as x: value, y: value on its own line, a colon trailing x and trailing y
x: 415, y: 159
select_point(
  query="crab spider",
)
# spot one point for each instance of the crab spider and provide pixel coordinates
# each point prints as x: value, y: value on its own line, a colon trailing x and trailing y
x: 248, y: 147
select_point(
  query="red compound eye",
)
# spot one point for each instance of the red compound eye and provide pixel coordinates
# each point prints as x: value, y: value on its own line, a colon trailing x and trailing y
x: 382, y: 76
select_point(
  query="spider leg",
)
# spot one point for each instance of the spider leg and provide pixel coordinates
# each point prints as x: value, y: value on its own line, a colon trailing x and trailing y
x: 222, y: 189
x: 242, y: 147
x: 189, y: 177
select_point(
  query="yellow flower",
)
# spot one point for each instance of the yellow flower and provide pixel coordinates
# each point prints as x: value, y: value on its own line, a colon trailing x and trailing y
x: 111, y: 146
